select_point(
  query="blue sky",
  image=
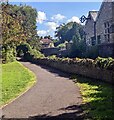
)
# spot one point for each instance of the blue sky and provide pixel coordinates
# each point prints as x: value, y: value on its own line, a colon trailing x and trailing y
x: 52, y: 14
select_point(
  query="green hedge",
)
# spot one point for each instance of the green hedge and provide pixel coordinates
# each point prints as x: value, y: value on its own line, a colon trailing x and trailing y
x: 103, y: 63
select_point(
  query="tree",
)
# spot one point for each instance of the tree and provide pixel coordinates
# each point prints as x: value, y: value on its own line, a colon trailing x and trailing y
x: 65, y: 32
x: 72, y: 32
x: 18, y: 25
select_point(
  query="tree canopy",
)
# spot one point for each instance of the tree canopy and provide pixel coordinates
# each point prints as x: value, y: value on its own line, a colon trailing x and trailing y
x: 18, y: 25
x: 74, y: 32
x: 65, y: 32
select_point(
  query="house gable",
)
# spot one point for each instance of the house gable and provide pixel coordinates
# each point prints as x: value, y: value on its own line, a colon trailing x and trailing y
x: 90, y: 28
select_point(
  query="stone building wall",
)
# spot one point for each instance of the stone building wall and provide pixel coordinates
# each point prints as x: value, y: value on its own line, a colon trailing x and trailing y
x: 104, y: 15
x: 89, y: 30
x: 113, y: 21
x: 104, y: 29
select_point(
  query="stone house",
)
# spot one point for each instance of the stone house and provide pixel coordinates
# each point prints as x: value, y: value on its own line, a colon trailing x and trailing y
x: 99, y: 29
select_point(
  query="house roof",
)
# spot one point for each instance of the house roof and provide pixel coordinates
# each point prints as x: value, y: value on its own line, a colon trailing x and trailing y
x: 46, y: 41
x: 93, y: 14
x: 102, y: 5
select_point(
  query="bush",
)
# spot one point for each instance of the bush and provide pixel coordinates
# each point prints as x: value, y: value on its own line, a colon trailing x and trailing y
x: 35, y: 53
x: 28, y: 51
x: 8, y: 54
x: 105, y: 63
x: 62, y: 46
x: 53, y: 57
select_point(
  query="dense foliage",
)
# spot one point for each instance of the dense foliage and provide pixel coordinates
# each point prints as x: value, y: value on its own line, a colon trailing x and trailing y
x: 102, y: 63
x: 72, y: 32
x: 19, y: 25
x: 65, y: 32
x: 27, y: 52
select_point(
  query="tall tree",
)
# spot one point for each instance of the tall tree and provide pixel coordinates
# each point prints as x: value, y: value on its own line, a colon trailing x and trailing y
x: 72, y: 32
x: 18, y: 25
x: 65, y: 32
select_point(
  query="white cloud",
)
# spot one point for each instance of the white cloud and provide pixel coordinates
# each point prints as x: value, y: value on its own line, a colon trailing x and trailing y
x: 74, y: 19
x: 52, y: 26
x: 50, y: 30
x: 42, y: 32
x: 41, y: 17
x: 58, y: 17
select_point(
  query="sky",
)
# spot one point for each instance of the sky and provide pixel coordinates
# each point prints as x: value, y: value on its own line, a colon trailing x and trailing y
x: 52, y: 14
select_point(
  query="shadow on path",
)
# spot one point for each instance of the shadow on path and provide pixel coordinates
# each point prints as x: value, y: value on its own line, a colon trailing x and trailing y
x: 100, y: 107
x: 54, y: 97
x: 76, y: 114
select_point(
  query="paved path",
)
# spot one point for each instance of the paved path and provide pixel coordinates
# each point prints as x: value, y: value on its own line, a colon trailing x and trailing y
x: 52, y: 95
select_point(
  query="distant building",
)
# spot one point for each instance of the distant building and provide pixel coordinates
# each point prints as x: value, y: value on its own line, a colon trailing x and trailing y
x: 46, y: 43
x: 99, y: 29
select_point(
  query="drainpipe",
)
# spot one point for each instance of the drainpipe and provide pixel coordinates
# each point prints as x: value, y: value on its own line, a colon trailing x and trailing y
x: 95, y: 32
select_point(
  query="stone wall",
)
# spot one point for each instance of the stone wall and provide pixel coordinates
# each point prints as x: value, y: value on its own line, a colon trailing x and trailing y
x: 106, y: 50
x: 91, y: 72
x: 50, y: 51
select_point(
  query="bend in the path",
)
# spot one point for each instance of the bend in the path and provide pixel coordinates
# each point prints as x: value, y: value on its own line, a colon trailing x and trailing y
x: 53, y: 95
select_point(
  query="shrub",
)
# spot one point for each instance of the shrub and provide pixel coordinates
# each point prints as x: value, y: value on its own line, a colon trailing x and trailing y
x: 61, y: 46
x: 36, y: 53
x: 8, y: 54
x: 28, y: 51
x: 105, y: 63
x: 52, y: 57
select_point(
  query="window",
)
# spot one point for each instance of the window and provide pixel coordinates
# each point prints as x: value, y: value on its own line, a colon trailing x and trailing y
x: 105, y: 25
x: 99, y: 39
x: 108, y: 37
x: 93, y: 41
x: 112, y: 28
x: 107, y: 31
x: 105, y: 36
x: 108, y: 24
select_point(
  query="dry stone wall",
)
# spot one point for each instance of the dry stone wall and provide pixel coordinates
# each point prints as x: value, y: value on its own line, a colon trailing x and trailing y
x: 91, y: 72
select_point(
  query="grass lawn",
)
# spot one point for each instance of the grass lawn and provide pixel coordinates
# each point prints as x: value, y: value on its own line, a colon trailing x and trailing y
x: 98, y: 99
x: 15, y: 80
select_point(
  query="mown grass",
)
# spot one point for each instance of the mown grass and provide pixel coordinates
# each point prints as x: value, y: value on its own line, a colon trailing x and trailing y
x: 98, y: 99
x: 15, y: 80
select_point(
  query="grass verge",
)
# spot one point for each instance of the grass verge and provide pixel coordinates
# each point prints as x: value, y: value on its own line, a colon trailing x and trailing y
x: 15, y: 80
x: 98, y: 99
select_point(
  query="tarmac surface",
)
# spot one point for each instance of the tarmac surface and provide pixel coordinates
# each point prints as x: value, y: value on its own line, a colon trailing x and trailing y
x: 54, y: 96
